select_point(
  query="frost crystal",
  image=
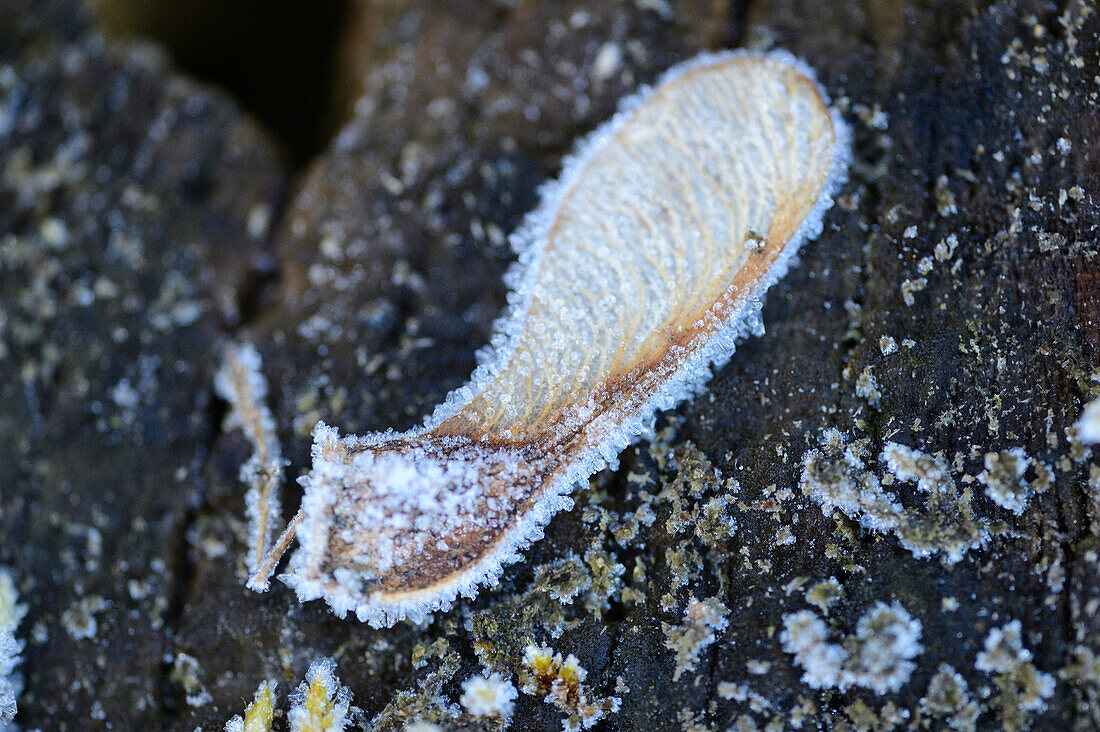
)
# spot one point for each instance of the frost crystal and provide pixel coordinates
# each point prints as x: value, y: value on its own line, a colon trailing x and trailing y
x: 824, y: 594
x: 637, y: 274
x: 1003, y: 479
x: 867, y: 387
x: 806, y: 636
x: 422, y: 726
x: 1003, y: 650
x: 949, y: 698
x: 1024, y: 688
x: 908, y: 464
x: 1088, y: 426
x: 887, y: 638
x: 702, y: 620
x: 836, y: 476
x: 320, y: 704
x: 561, y: 682
x: 878, y: 657
x: 11, y: 613
x: 488, y: 697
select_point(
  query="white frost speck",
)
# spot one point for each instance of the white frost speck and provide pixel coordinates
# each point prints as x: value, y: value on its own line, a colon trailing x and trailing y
x: 79, y: 619
x: 1088, y: 425
x: 888, y: 638
x: 1003, y: 650
x: 877, y: 657
x: 908, y: 464
x: 609, y: 59
x: 420, y: 725
x: 836, y: 476
x: 946, y: 248
x: 491, y: 696
x: 1003, y: 655
x: 702, y: 619
x: 867, y: 387
x: 949, y: 698
x: 909, y: 286
x: 1004, y: 481
x: 259, y: 220
x: 806, y: 636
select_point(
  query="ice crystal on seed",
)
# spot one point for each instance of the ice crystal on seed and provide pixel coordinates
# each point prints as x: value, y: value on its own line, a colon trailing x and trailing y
x: 680, y: 212
x: 560, y: 681
x: 320, y: 703
x: 259, y: 713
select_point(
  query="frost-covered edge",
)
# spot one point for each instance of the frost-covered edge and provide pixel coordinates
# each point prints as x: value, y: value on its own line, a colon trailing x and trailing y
x: 529, y: 243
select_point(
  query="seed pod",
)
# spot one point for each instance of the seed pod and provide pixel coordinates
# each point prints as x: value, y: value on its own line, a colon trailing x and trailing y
x: 637, y: 273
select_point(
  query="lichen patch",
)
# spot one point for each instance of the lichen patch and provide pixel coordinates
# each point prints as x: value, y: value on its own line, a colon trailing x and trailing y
x: 703, y: 621
x: 878, y: 656
x: 560, y: 682
x: 1023, y: 688
x: 836, y: 475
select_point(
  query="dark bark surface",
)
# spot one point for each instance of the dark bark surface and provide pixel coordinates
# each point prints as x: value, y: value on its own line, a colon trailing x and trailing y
x: 949, y: 313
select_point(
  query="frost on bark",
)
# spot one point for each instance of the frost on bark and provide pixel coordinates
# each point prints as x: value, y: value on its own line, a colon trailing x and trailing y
x: 929, y: 358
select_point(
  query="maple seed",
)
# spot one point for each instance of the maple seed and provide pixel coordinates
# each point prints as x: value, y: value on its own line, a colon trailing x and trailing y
x: 637, y: 273
x: 241, y: 383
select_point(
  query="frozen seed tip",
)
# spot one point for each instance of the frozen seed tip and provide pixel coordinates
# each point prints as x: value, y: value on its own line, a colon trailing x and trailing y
x: 320, y: 703
x: 240, y: 381
x: 259, y: 714
x: 637, y: 273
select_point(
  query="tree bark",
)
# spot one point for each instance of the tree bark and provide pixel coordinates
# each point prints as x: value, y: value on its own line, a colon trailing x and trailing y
x: 935, y: 346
